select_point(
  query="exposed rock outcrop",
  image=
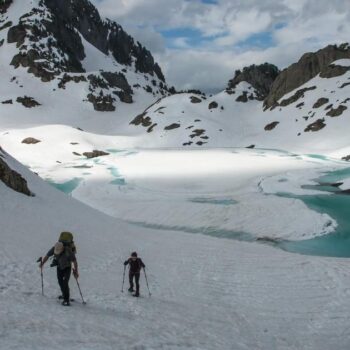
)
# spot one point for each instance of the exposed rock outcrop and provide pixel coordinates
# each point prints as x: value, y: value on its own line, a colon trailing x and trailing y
x: 13, y: 179
x: 102, y: 103
x: 28, y: 102
x: 309, y: 65
x: 336, y: 112
x: 62, y: 24
x: 172, y: 126
x: 95, y: 153
x: 30, y: 141
x: 195, y: 99
x: 261, y: 77
x: 298, y: 94
x: 320, y: 102
x: 142, y: 119
x: 271, y: 126
x: 316, y: 126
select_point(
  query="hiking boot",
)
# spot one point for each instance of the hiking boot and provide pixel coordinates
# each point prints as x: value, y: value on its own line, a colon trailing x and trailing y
x: 137, y: 294
x: 130, y: 289
x: 65, y: 303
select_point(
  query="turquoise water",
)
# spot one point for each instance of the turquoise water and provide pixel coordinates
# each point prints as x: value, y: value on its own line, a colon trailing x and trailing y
x: 114, y: 150
x: 68, y: 186
x: 336, y: 205
x: 119, y: 180
x: 217, y: 201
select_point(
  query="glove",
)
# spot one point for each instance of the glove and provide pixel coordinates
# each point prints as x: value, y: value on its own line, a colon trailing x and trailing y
x: 76, y: 274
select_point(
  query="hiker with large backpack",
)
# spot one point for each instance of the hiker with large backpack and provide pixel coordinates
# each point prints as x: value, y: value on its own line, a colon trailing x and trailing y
x: 135, y: 266
x: 63, y: 253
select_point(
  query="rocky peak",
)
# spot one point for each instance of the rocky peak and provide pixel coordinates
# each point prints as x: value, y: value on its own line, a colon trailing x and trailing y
x: 261, y: 77
x: 309, y: 65
x: 49, y: 39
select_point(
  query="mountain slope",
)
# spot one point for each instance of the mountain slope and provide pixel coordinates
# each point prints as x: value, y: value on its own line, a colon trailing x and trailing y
x: 310, y: 115
x: 60, y: 57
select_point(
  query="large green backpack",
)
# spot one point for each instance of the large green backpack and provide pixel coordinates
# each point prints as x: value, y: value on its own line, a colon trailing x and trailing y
x: 67, y: 239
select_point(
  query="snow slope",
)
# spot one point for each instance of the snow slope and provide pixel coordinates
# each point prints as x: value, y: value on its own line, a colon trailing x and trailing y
x: 207, y: 293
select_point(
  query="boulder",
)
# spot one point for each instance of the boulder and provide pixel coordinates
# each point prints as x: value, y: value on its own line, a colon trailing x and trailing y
x: 95, y: 153
x: 271, y: 126
x: 30, y: 141
x: 213, y: 105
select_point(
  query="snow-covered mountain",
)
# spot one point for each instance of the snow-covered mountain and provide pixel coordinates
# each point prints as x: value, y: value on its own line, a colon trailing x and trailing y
x: 304, y: 108
x: 62, y: 63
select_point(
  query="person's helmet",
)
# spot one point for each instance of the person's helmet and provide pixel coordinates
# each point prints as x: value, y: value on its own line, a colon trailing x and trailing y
x: 134, y: 254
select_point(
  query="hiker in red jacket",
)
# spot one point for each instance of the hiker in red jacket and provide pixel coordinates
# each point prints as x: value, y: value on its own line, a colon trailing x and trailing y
x: 135, y: 266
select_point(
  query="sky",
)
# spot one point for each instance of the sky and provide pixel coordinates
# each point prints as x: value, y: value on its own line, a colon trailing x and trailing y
x: 200, y: 43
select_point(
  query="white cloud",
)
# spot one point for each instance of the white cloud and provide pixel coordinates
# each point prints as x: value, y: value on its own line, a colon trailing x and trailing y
x: 295, y: 27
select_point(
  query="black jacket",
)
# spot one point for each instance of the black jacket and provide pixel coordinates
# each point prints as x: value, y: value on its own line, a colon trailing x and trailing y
x: 136, y: 264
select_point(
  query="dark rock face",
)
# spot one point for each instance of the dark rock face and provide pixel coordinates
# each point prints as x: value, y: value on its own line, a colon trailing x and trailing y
x: 336, y: 112
x: 309, y: 65
x: 271, y: 126
x: 261, y: 77
x: 346, y: 158
x: 107, y: 36
x: 95, y: 153
x: 30, y: 141
x: 13, y: 179
x: 61, y: 23
x: 102, y: 103
x: 4, y: 5
x: 172, y: 126
x: 316, y: 126
x: 68, y: 78
x: 7, y: 102
x: 28, y: 102
x: 298, y: 94
x: 320, y: 102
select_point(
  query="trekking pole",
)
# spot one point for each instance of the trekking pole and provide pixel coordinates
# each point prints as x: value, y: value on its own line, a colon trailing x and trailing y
x: 123, y: 279
x: 40, y: 260
x: 80, y: 290
x: 144, y: 270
